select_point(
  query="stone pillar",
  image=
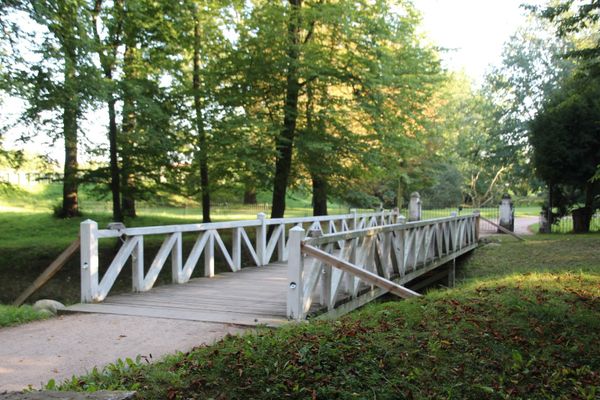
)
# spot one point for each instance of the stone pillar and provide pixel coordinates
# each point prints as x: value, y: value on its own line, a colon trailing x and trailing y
x: 507, y: 214
x: 414, y: 207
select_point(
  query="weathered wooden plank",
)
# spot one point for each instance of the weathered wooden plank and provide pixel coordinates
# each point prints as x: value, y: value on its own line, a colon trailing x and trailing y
x: 49, y: 272
x: 503, y: 229
x: 219, y: 317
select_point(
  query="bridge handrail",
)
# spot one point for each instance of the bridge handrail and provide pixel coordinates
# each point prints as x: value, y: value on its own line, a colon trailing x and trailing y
x: 185, y: 228
x: 398, y: 252
x: 264, y: 247
x: 352, y: 234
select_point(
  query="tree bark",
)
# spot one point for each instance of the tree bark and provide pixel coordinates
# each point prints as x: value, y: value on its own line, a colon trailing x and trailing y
x: 127, y: 183
x: 285, y: 141
x: 582, y: 217
x: 107, y: 60
x: 250, y: 195
x: 70, y: 205
x: 200, y: 128
x: 115, y: 183
x: 319, y: 195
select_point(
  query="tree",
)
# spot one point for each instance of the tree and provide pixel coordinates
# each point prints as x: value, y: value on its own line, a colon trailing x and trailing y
x: 532, y: 68
x: 340, y: 87
x: 60, y: 85
x: 107, y: 50
x: 580, y: 19
x: 565, y: 136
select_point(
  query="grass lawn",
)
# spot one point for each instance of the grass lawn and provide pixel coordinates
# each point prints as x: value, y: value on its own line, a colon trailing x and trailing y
x: 523, y: 323
x: 10, y: 315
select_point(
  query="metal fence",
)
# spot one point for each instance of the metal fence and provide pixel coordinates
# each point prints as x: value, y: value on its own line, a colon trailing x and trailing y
x: 565, y: 224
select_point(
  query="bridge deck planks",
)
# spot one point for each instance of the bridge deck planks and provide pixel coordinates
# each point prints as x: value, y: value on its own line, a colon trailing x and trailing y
x: 253, y: 296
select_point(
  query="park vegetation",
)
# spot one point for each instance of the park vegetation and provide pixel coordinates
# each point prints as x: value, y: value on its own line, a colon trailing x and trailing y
x: 344, y: 100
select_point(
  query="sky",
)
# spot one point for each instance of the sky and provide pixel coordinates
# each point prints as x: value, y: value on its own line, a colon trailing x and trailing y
x: 473, y: 31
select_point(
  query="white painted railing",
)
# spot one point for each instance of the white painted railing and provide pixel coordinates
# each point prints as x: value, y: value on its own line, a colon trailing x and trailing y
x: 398, y: 253
x: 209, y: 239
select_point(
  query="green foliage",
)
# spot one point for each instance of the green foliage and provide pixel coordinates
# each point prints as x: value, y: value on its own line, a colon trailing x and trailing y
x: 10, y: 315
x: 565, y: 134
x: 532, y: 68
x: 579, y: 19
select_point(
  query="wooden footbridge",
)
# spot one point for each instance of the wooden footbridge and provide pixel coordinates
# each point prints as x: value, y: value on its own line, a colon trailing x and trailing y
x: 307, y: 267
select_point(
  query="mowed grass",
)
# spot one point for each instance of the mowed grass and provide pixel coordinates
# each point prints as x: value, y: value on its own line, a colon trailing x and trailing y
x: 524, y: 323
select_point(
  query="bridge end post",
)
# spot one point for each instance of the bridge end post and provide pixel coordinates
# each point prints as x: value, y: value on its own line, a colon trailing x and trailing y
x: 295, y: 296
x: 89, y: 260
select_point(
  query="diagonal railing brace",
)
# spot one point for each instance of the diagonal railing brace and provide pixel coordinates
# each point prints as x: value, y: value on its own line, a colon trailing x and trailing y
x: 360, y: 273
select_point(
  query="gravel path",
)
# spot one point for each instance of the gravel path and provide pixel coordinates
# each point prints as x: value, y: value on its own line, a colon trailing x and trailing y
x: 61, y: 347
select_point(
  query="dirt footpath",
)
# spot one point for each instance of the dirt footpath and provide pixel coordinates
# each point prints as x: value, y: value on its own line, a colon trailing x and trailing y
x: 522, y: 225
x: 69, y: 345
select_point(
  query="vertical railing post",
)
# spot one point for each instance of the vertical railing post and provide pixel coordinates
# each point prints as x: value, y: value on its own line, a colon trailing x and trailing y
x: 281, y: 245
x: 355, y: 219
x: 89, y: 260
x: 261, y: 239
x: 209, y: 255
x: 394, y: 216
x: 177, y: 259
x: 236, y: 248
x: 295, y: 296
x: 137, y: 265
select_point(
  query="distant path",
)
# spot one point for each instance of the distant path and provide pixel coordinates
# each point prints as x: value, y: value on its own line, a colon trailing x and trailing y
x: 522, y: 225
x: 61, y: 347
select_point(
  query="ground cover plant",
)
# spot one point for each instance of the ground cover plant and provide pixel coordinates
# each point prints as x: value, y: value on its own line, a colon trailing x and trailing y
x: 10, y: 315
x: 524, y: 323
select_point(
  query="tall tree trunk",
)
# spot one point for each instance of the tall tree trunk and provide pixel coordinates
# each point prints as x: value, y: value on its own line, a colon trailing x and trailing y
x: 128, y: 124
x: 250, y: 194
x: 285, y: 141
x: 202, y: 150
x: 319, y: 194
x: 582, y: 217
x: 107, y: 60
x: 115, y: 181
x: 70, y: 205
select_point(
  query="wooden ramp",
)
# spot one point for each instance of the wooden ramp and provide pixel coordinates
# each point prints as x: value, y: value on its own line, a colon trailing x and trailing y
x: 253, y: 296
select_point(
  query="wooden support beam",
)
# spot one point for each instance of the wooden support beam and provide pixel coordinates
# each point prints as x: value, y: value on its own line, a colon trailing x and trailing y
x: 360, y: 273
x: 48, y: 273
x: 503, y: 229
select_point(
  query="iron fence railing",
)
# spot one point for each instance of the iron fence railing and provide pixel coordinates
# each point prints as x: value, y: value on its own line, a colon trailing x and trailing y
x: 565, y: 224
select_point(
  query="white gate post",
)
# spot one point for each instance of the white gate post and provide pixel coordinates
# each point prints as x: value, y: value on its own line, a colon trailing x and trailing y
x: 477, y: 214
x: 414, y: 207
x: 89, y: 260
x: 295, y: 297
x: 261, y: 239
x: 506, y: 212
